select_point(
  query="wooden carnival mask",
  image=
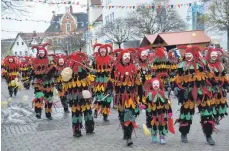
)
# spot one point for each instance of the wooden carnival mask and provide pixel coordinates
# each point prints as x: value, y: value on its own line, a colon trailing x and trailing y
x: 126, y: 58
x: 144, y: 54
x: 188, y: 56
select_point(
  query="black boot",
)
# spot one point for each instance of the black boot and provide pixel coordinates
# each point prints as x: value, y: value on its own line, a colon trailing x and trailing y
x: 11, y: 93
x: 49, y: 116
x: 129, y: 142
x: 95, y: 114
x: 15, y: 91
x: 184, y: 138
x: 128, y: 131
x: 210, y: 140
x: 105, y: 118
x: 89, y: 125
x: 38, y: 112
x: 38, y: 116
x: 77, y: 134
x: 66, y: 110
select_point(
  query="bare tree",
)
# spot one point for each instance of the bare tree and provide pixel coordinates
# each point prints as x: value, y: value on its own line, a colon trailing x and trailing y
x: 217, y: 17
x: 14, y: 7
x: 118, y: 31
x: 148, y: 21
x: 69, y: 43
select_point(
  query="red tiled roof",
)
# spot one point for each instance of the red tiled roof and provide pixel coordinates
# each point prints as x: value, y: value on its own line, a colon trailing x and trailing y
x: 151, y: 38
x: 179, y: 38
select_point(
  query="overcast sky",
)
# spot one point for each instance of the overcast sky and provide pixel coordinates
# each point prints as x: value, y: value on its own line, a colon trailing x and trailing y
x: 41, y: 11
x: 38, y: 11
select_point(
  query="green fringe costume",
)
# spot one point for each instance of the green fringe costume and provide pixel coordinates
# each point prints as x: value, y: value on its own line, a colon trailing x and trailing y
x: 81, y: 80
x: 193, y: 88
x: 103, y: 88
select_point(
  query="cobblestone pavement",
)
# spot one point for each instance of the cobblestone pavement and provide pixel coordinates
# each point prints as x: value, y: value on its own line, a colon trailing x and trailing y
x: 56, y: 135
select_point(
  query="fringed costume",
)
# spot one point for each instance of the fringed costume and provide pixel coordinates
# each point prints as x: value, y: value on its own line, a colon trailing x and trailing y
x: 103, y: 88
x: 78, y: 80
x: 174, y: 58
x: 159, y: 109
x: 219, y: 81
x: 126, y: 81
x: 193, y: 82
x: 61, y: 63
x: 161, y: 65
x: 26, y: 71
x: 11, y: 75
x: 144, y: 68
x: 43, y: 79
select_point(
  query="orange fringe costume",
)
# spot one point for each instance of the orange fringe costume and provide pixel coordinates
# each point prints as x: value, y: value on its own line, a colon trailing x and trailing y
x: 11, y: 72
x: 80, y: 80
x: 103, y: 88
x: 59, y: 80
x: 43, y: 75
x: 193, y: 86
x: 220, y: 84
x: 26, y: 71
x: 126, y: 80
x: 159, y: 108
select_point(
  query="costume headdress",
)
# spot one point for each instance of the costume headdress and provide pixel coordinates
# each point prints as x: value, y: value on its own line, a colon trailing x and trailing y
x: 159, y: 77
x: 78, y: 60
x: 195, y: 51
x: 10, y: 64
x: 41, y: 47
x: 129, y: 50
x: 97, y: 47
x: 160, y: 55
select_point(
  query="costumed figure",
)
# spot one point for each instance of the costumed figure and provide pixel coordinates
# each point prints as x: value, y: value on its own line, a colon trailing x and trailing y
x: 3, y: 68
x: 77, y: 81
x: 193, y: 84
x: 174, y: 58
x: 219, y: 81
x: 61, y: 63
x: 26, y: 71
x: 144, y: 68
x: 161, y: 65
x: 103, y: 88
x: 43, y: 81
x: 126, y: 81
x: 12, y: 68
x: 159, y: 108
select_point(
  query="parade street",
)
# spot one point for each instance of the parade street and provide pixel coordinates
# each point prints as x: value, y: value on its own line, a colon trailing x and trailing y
x: 31, y: 134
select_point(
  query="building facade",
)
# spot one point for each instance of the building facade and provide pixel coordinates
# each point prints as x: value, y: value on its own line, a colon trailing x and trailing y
x: 19, y: 47
x: 67, y: 25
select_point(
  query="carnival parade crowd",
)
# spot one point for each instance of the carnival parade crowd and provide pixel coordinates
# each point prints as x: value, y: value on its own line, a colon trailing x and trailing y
x: 134, y: 79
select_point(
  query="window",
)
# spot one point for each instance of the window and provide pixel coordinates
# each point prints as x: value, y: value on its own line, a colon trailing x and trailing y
x: 22, y: 43
x: 18, y: 43
x: 26, y: 53
x: 15, y: 53
x: 68, y: 27
x: 20, y: 53
x: 67, y: 17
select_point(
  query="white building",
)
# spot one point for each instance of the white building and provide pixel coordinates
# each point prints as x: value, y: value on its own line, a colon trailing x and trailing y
x: 95, y: 21
x: 19, y: 47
